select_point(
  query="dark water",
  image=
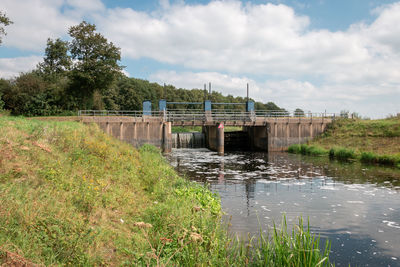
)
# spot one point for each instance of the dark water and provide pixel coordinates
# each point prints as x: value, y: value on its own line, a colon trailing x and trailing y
x: 356, y: 207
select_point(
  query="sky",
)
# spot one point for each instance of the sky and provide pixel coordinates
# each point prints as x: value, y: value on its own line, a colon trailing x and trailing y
x: 317, y: 55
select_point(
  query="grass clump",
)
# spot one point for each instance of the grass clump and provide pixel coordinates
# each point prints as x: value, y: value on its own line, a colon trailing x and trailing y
x: 71, y: 195
x: 300, y: 248
x: 370, y: 157
x: 342, y: 153
x: 305, y: 149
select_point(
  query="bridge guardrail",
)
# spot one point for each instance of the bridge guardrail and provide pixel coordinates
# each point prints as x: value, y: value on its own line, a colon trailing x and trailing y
x: 214, y: 115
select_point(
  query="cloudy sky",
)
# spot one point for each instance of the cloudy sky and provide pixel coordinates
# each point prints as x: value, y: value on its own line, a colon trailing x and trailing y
x: 316, y: 55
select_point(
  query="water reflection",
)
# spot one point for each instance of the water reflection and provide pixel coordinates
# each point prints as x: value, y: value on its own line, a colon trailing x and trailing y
x: 355, y: 206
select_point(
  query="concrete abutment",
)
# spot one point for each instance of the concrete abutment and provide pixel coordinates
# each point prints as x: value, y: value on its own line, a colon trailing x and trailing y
x: 277, y: 134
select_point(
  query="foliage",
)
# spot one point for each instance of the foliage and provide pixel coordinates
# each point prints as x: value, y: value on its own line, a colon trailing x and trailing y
x: 56, y: 61
x: 4, y: 21
x: 342, y: 153
x: 204, y: 197
x: 300, y: 248
x: 370, y: 157
x: 95, y: 65
x: 307, y: 150
x: 1, y: 101
x: 299, y: 112
x: 30, y: 95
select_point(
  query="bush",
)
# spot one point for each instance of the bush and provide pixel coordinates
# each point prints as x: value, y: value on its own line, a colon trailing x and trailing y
x: 1, y: 102
x: 342, y: 153
x: 307, y: 150
x: 368, y: 157
x: 295, y: 149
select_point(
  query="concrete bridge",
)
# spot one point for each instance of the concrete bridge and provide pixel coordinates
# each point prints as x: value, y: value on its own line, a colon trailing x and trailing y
x: 261, y: 130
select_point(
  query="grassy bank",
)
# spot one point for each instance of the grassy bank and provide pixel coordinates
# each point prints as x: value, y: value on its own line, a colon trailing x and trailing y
x: 71, y: 195
x: 370, y: 141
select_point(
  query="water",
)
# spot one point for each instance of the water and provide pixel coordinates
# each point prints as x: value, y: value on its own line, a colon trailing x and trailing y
x: 188, y: 140
x: 356, y: 207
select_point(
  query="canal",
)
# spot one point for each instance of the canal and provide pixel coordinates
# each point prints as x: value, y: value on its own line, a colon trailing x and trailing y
x: 356, y: 207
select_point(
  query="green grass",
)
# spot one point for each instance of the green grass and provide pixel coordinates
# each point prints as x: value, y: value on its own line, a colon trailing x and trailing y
x: 369, y: 141
x: 307, y: 150
x: 71, y: 195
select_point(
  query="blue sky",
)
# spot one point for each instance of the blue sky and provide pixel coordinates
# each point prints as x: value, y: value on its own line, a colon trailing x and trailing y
x: 317, y: 55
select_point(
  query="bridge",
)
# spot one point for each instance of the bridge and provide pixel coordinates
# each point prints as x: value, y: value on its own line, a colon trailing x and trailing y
x: 263, y: 130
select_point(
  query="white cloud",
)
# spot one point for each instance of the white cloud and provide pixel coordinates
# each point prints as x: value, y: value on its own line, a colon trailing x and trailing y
x: 11, y: 67
x: 291, y: 94
x: 37, y: 20
x: 219, y: 82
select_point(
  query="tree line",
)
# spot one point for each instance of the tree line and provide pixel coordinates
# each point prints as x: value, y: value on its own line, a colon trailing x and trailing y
x: 85, y: 73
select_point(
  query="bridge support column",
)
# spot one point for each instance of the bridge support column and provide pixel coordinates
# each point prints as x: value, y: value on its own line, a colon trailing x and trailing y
x: 220, y: 139
x: 167, y: 137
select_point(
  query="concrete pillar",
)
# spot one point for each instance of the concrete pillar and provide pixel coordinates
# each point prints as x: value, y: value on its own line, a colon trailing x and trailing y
x: 287, y: 135
x: 121, y: 131
x: 167, y: 142
x: 299, y: 132
x: 311, y: 130
x: 147, y: 131
x: 107, y: 128
x: 135, y: 141
x: 220, y: 139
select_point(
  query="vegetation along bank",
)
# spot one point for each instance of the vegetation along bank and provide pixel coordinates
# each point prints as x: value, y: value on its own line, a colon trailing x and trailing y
x: 71, y: 195
x: 370, y: 141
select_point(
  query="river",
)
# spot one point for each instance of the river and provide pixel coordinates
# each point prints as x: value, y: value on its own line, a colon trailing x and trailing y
x: 356, y: 207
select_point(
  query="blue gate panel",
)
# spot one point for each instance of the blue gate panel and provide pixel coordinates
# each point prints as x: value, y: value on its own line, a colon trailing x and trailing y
x: 207, y: 105
x: 162, y: 105
x: 249, y: 106
x: 147, y: 107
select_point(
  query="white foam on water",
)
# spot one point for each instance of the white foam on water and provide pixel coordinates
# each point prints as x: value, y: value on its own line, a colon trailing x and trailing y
x: 327, y: 187
x: 355, y: 202
x: 391, y: 224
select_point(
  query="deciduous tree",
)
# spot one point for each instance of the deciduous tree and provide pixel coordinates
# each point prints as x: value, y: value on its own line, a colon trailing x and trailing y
x: 56, y: 61
x: 4, y: 21
x: 95, y: 63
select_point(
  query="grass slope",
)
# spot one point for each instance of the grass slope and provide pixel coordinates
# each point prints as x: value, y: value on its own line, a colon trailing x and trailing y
x: 71, y: 195
x: 371, y: 141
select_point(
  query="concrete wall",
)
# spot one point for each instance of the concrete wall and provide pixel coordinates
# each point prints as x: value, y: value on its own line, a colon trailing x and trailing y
x: 283, y: 134
x: 137, y: 132
x: 275, y: 135
x: 258, y: 138
x: 211, y: 137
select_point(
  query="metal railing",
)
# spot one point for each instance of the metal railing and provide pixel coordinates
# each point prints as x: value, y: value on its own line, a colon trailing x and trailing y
x: 201, y: 115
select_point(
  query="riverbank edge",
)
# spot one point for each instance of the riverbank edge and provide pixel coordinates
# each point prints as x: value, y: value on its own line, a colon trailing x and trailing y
x: 70, y: 194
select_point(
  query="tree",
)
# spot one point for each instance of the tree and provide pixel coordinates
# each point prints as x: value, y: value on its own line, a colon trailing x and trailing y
x: 95, y: 63
x: 4, y: 20
x: 299, y: 112
x: 56, y: 61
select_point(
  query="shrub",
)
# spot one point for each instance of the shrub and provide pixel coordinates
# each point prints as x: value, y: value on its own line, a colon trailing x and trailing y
x: 368, y: 157
x: 342, y: 153
x: 295, y: 149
